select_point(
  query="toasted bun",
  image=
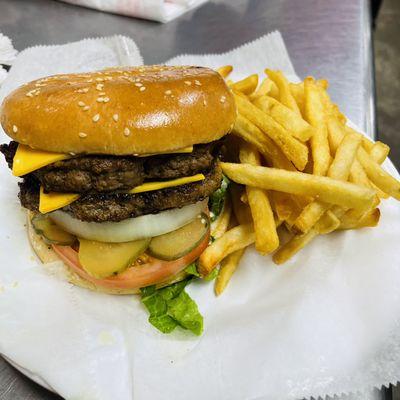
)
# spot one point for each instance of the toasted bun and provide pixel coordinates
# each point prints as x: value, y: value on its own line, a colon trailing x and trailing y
x: 47, y: 256
x: 122, y: 111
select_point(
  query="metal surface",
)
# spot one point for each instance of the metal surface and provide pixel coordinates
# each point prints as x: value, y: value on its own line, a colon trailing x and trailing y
x: 329, y: 39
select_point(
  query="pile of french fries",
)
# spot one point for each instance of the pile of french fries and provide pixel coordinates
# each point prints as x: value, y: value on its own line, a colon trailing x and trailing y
x: 298, y: 167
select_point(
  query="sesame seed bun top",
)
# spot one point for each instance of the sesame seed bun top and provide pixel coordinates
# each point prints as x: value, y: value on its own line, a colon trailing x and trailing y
x: 119, y: 111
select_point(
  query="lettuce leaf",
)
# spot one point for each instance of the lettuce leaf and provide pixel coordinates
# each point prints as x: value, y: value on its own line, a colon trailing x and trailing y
x: 171, y: 306
x: 217, y: 199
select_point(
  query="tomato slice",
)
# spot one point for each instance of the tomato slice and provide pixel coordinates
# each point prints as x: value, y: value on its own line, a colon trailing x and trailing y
x: 135, y: 277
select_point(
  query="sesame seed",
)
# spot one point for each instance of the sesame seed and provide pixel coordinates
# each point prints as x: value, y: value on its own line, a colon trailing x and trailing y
x: 96, y: 118
x: 222, y: 99
x: 127, y: 132
x: 81, y: 104
x: 99, y: 86
x: 85, y: 90
x: 137, y: 79
x: 72, y: 153
x: 167, y: 92
x: 188, y: 83
x: 15, y: 128
x: 102, y: 93
x: 106, y: 99
x: 115, y: 117
x: 86, y: 108
x: 196, y: 82
x: 99, y: 79
x: 100, y: 99
x: 204, y: 102
x: 82, y: 135
x: 142, y: 89
x: 89, y: 81
x: 138, y: 84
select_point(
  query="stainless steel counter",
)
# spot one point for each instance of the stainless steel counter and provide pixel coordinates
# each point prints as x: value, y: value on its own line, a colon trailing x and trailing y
x: 329, y: 39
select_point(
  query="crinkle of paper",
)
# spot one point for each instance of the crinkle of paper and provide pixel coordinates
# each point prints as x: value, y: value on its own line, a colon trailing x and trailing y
x: 325, y: 323
x: 156, y: 10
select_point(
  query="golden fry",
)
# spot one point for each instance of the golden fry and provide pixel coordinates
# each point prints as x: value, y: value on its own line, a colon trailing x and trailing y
x: 235, y: 239
x: 315, y: 115
x: 247, y: 85
x: 290, y: 120
x: 221, y: 224
x: 267, y: 87
x: 297, y: 91
x: 379, y: 177
x: 328, y: 223
x: 285, y: 94
x: 350, y: 221
x: 228, y: 267
x: 263, y: 218
x: 379, y: 152
x: 326, y: 189
x: 252, y: 134
x: 225, y: 70
x: 294, y: 150
x: 294, y: 245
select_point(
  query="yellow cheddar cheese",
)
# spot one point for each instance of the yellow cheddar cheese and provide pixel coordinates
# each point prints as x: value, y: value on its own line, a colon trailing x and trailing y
x: 54, y: 200
x: 27, y: 160
x: 150, y: 186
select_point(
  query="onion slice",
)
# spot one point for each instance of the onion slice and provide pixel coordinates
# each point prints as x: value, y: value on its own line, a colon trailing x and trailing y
x: 130, y: 229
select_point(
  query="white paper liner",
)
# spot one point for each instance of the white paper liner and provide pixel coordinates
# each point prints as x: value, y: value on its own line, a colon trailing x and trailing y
x: 325, y: 323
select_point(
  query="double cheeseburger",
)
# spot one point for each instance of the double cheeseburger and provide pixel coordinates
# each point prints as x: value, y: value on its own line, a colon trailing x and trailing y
x: 116, y: 169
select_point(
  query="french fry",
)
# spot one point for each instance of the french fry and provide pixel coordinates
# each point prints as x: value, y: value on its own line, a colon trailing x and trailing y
x: 379, y: 177
x: 357, y: 173
x: 235, y: 239
x: 285, y: 94
x: 350, y: 221
x: 379, y: 152
x: 252, y: 134
x: 225, y: 70
x: 289, y: 119
x: 326, y: 224
x: 242, y: 211
x: 294, y: 150
x: 267, y: 87
x: 282, y: 204
x: 267, y: 239
x: 228, y: 267
x: 322, y: 83
x: 326, y: 189
x: 297, y: 91
x: 221, y: 224
x: 329, y: 223
x: 247, y: 85
x: 339, y: 169
x: 315, y: 115
x: 294, y: 245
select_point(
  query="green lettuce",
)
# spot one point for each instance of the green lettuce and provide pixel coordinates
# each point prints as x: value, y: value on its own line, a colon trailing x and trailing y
x: 171, y: 306
x: 217, y: 199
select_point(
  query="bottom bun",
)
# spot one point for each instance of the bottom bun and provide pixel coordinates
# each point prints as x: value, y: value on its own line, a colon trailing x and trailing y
x: 47, y: 256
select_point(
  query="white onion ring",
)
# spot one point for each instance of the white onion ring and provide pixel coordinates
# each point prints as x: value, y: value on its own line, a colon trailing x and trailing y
x: 130, y: 229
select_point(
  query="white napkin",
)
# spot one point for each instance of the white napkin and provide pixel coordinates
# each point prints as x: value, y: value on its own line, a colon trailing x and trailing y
x: 156, y: 10
x: 326, y: 322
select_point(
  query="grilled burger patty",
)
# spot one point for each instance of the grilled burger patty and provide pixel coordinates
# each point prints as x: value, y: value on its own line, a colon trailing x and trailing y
x: 102, y: 207
x: 97, y: 173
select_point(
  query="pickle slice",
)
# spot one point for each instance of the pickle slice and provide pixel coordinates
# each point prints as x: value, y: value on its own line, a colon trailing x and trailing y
x: 176, y: 244
x: 51, y: 232
x: 100, y: 259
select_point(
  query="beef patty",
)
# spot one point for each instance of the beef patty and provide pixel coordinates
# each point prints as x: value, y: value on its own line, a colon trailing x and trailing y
x: 102, y: 207
x: 98, y: 173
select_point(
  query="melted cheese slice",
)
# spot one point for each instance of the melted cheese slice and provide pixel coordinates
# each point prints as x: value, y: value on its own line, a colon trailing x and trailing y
x: 54, y: 200
x: 27, y: 160
x: 188, y: 149
x: 150, y: 186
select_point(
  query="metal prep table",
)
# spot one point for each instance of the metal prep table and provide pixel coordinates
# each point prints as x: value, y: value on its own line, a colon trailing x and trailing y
x: 330, y: 39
